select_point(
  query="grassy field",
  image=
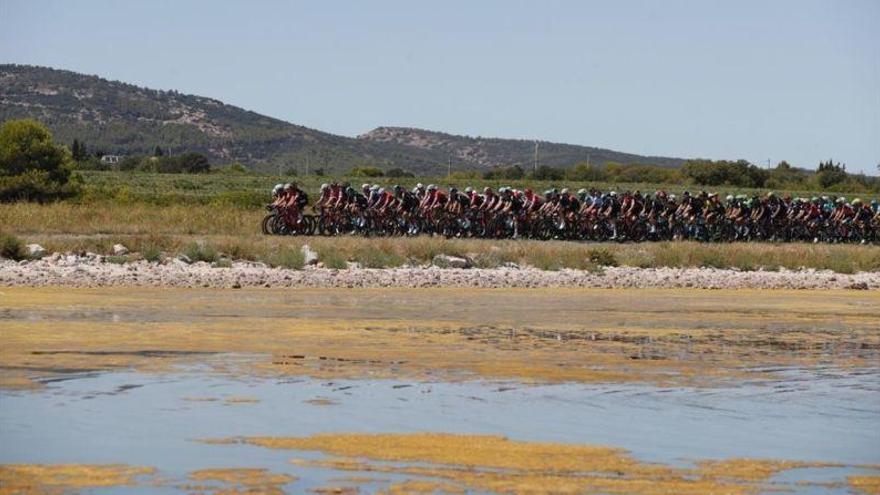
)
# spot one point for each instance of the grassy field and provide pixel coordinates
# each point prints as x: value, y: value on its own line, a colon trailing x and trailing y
x: 253, y: 190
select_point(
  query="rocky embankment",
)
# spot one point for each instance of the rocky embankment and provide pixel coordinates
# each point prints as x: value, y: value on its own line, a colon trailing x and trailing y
x: 91, y: 270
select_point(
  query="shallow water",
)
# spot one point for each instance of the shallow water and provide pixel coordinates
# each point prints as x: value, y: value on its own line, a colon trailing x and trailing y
x: 154, y: 420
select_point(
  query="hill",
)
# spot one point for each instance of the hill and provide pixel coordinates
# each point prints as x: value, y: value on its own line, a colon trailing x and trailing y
x: 119, y: 118
x: 482, y: 153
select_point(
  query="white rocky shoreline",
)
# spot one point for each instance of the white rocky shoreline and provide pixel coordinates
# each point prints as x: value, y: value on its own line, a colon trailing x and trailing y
x: 92, y: 270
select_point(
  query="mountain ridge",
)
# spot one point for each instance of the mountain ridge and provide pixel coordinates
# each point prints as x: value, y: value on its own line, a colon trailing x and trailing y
x: 121, y: 118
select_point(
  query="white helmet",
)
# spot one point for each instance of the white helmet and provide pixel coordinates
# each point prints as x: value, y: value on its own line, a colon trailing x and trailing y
x: 469, y: 189
x: 564, y: 190
x: 374, y: 188
x: 420, y: 186
x: 325, y: 186
x: 277, y: 190
x: 365, y: 186
x: 431, y: 187
x: 381, y: 190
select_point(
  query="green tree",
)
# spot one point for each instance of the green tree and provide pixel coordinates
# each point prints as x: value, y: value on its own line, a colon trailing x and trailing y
x: 830, y: 173
x: 158, y: 151
x: 78, y: 151
x: 546, y: 172
x: 194, y: 163
x: 32, y: 166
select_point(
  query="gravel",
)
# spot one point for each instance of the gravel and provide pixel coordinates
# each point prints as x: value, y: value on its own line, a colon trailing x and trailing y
x: 92, y: 270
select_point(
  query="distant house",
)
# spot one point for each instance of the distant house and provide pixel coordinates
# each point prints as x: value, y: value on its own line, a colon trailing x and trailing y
x: 111, y: 159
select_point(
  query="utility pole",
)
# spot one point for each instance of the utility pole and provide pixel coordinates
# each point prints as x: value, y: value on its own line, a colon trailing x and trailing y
x: 536, y: 156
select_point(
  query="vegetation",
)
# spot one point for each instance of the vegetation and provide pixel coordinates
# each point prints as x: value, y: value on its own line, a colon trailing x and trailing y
x: 32, y: 166
x: 12, y: 247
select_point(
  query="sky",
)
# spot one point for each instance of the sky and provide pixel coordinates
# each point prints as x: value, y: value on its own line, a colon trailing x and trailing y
x: 795, y: 80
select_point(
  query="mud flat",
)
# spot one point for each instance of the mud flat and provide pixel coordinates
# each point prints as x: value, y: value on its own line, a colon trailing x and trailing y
x: 95, y: 271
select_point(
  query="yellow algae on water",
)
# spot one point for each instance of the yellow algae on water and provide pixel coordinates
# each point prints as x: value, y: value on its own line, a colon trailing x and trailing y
x: 243, y: 480
x: 869, y: 485
x: 59, y: 478
x: 419, y: 486
x: 241, y: 400
x: 751, y: 469
x: 455, y: 463
x: 666, y: 337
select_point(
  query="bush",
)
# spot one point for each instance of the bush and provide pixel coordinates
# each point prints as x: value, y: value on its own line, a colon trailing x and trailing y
x: 584, y: 172
x: 12, y: 248
x: 510, y: 173
x: 603, y: 257
x: 548, y: 173
x: 286, y: 258
x: 199, y: 251
x: 32, y: 166
x: 365, y: 172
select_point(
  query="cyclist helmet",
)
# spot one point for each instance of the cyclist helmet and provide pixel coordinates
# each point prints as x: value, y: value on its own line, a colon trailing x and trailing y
x: 841, y: 200
x: 453, y: 190
x: 487, y: 190
x: 612, y: 193
x: 564, y: 190
x: 398, y: 188
x: 381, y: 190
x: 729, y: 197
x: 325, y: 186
x: 672, y: 197
x: 288, y: 186
x: 582, y: 192
x: 432, y: 187
x: 856, y: 201
x: 469, y: 189
x: 374, y: 188
x: 277, y: 190
x: 365, y: 186
x: 420, y: 186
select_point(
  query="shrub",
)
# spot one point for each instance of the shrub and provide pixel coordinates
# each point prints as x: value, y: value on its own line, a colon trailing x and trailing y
x: 290, y: 257
x: 32, y: 166
x: 365, y: 172
x: 12, y: 247
x: 603, y: 257
x: 199, y: 251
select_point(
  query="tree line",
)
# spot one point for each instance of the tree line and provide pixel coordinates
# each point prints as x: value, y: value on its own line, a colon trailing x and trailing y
x: 35, y: 168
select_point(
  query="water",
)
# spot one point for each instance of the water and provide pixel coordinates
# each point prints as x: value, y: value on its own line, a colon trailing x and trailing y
x: 151, y: 419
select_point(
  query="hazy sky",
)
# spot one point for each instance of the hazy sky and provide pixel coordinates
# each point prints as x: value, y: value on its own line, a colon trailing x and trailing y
x: 796, y: 80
